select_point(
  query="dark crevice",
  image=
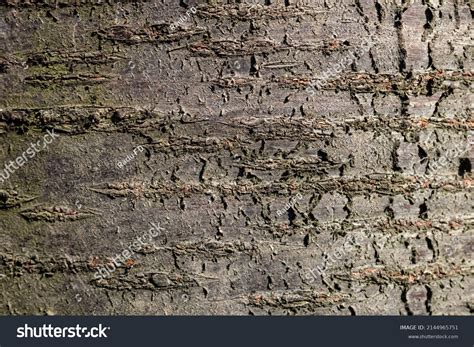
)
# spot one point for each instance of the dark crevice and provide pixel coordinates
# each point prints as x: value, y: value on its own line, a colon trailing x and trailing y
x: 443, y: 96
x: 405, y: 100
x: 395, y: 164
x: 423, y: 211
x: 322, y: 155
x: 456, y: 14
x: 389, y: 209
x: 401, y: 42
x: 429, y: 296
x: 422, y: 154
x: 464, y: 166
x: 430, y: 57
x: 405, y: 301
x: 429, y: 18
x: 413, y: 255
x: 430, y: 83
x: 203, y: 169
x: 291, y: 215
x: 306, y: 240
x: 431, y: 247
x: 253, y: 66
x: 380, y: 12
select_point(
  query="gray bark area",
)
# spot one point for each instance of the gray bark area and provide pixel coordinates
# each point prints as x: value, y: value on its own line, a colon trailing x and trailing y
x: 230, y: 136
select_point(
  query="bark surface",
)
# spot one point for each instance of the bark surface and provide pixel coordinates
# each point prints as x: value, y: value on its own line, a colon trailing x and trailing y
x: 274, y: 199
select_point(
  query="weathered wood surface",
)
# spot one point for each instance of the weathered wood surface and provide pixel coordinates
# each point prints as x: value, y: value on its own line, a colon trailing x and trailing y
x: 230, y: 136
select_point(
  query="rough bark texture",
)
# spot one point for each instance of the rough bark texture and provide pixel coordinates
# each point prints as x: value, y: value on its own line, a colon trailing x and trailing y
x: 230, y: 136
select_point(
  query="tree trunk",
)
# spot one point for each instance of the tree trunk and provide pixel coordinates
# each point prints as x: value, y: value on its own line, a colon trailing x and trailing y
x: 287, y: 156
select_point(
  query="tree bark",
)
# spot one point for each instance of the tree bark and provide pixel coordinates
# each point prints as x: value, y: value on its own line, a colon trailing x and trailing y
x: 299, y: 156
